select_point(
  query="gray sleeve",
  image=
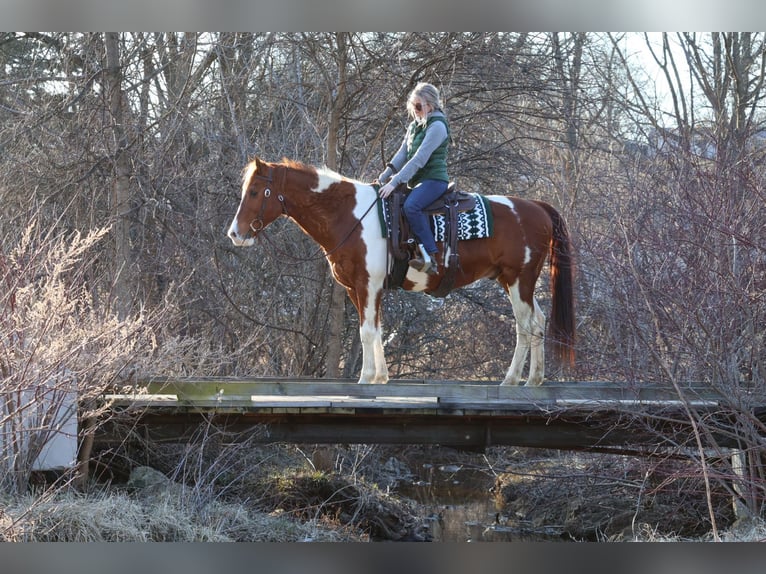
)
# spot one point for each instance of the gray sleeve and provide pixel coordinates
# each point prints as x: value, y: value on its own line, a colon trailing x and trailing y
x: 400, y: 157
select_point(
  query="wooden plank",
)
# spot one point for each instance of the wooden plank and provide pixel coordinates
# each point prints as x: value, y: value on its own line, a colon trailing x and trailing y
x: 417, y: 405
x: 448, y: 392
x: 192, y: 390
x: 667, y: 403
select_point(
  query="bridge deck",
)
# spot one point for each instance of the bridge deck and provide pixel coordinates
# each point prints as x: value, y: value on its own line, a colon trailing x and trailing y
x: 457, y: 413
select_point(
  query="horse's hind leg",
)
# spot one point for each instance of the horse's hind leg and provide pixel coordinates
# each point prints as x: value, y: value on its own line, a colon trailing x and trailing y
x: 536, y: 331
x: 530, y: 332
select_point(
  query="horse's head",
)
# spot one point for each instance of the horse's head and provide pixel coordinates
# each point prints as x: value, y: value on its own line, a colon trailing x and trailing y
x: 260, y: 204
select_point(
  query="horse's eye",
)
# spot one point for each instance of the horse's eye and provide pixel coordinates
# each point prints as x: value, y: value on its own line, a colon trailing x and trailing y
x: 253, y: 192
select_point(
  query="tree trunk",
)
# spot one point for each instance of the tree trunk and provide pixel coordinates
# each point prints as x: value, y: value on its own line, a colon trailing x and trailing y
x: 338, y: 301
x: 120, y: 197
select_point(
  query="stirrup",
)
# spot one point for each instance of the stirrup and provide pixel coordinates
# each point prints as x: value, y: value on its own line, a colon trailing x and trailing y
x: 430, y: 267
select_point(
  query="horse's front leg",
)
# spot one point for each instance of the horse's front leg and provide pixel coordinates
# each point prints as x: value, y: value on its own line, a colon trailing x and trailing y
x: 374, y: 369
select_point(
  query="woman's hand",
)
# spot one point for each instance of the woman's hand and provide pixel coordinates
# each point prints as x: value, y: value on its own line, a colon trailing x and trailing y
x: 386, y: 190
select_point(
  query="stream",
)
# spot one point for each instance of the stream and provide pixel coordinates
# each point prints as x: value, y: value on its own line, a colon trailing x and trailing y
x: 459, y: 506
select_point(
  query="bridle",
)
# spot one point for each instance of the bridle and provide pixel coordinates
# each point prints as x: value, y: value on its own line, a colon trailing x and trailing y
x: 257, y: 225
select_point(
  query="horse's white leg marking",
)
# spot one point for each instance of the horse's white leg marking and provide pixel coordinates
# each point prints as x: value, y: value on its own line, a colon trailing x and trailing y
x: 381, y: 369
x: 369, y: 335
x: 513, y: 376
x: 374, y: 368
x: 536, y: 357
x: 530, y: 329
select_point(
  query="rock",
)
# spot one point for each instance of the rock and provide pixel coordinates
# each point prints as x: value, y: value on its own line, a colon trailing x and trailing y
x: 149, y: 481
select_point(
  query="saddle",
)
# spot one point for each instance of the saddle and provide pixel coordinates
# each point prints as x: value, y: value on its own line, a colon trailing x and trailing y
x: 403, y: 242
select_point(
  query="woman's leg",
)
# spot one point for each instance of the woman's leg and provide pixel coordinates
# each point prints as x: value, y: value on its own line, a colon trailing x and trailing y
x: 421, y: 196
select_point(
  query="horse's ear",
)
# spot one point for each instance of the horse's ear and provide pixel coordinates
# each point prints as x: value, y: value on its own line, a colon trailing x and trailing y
x: 258, y: 163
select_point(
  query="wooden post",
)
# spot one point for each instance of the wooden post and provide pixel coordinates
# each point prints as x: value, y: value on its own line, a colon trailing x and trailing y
x: 740, y: 467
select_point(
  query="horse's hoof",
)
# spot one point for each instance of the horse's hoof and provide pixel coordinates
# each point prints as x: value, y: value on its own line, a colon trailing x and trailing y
x: 534, y: 383
x: 510, y: 383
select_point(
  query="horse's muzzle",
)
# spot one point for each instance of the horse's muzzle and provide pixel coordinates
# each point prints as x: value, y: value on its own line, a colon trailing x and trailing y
x: 237, y: 239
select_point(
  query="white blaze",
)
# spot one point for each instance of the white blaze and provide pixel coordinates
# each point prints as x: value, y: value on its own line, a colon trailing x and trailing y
x: 234, y: 233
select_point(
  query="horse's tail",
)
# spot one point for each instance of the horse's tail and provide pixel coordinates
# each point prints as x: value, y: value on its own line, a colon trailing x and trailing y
x: 562, y: 323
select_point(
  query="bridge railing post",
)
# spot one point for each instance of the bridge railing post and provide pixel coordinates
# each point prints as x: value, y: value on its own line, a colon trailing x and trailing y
x: 741, y: 482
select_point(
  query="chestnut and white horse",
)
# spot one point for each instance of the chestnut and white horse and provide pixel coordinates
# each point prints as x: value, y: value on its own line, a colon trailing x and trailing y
x: 340, y: 214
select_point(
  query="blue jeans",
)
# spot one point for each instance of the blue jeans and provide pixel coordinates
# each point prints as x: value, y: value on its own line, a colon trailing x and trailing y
x: 421, y: 196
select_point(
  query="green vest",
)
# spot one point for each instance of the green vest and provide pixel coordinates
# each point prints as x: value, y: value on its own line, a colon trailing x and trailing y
x: 436, y: 166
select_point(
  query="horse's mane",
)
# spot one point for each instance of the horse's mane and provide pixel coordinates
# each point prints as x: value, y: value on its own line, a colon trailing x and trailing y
x: 295, y: 164
x: 324, y: 170
x: 300, y: 166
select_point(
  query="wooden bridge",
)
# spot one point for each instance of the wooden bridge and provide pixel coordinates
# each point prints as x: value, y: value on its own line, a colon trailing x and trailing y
x: 572, y: 415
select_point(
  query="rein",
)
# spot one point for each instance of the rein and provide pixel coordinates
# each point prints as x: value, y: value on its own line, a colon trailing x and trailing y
x: 257, y: 228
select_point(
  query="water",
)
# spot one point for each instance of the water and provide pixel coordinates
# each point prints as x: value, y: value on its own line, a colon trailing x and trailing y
x: 459, y: 505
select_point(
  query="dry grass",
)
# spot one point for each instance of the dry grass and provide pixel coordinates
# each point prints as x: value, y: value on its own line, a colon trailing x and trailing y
x: 120, y: 517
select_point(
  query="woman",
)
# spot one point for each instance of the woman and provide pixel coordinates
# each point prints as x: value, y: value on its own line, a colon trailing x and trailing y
x: 421, y: 163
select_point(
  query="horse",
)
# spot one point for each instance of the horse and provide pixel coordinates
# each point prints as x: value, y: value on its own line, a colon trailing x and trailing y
x: 339, y: 213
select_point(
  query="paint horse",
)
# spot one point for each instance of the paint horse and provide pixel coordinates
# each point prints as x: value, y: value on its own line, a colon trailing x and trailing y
x: 340, y: 214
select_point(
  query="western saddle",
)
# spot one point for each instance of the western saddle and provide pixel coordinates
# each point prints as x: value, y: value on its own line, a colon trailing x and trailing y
x: 403, y: 242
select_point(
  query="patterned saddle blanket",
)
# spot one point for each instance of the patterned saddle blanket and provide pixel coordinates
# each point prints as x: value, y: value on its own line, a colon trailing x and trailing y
x: 474, y: 224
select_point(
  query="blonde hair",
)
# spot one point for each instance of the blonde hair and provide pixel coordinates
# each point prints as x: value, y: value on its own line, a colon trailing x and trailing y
x: 428, y: 93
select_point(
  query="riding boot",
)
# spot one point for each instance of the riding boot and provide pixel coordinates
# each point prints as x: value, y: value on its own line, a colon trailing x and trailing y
x: 426, y: 263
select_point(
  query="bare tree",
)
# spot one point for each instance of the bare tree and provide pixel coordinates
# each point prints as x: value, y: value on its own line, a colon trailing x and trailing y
x: 120, y: 196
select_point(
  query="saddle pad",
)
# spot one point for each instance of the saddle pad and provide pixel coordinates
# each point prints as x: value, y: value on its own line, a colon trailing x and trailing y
x: 473, y: 224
